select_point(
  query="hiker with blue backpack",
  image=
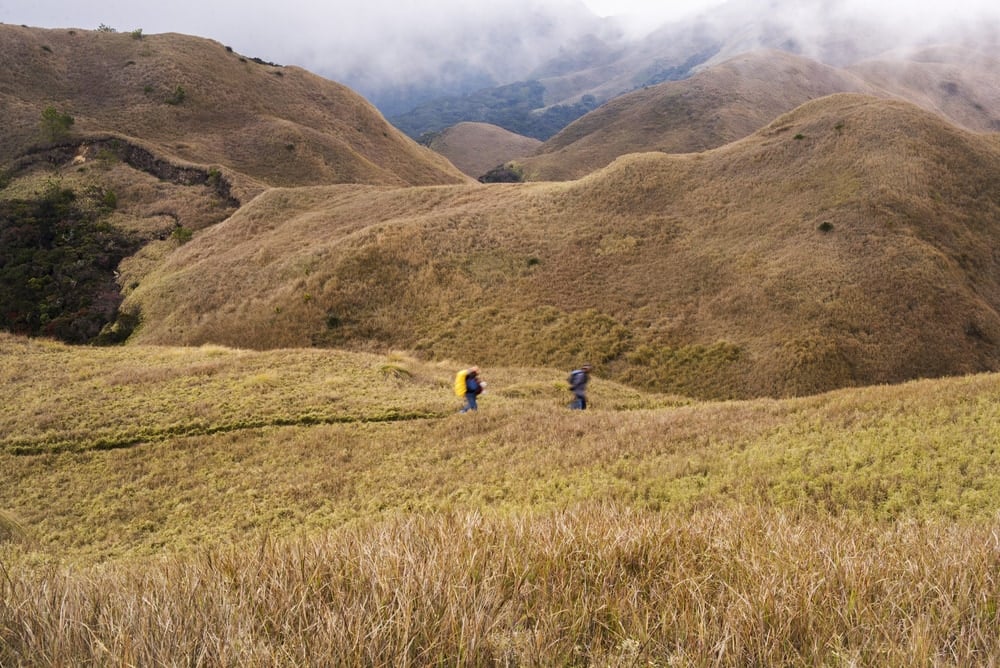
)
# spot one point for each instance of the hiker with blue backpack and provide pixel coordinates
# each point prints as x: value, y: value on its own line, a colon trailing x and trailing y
x: 578, y: 379
x: 467, y: 384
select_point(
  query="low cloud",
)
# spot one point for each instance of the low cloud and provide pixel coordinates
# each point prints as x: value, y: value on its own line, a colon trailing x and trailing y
x: 385, y: 43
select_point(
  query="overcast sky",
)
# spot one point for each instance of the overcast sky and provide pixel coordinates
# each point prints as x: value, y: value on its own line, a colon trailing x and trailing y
x: 286, y: 26
x: 290, y: 26
x: 332, y: 37
x: 383, y: 40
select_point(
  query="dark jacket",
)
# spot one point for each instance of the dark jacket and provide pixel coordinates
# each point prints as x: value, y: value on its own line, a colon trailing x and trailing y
x: 578, y: 380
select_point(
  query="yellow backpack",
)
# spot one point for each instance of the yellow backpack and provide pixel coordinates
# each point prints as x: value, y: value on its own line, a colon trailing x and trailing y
x: 460, y: 382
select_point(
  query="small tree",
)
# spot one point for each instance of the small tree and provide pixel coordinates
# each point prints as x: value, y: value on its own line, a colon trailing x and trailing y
x: 177, y: 96
x: 55, y: 124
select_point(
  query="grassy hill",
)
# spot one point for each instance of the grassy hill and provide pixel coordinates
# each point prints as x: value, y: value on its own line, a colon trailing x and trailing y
x: 718, y: 105
x: 959, y: 83
x: 269, y: 508
x: 476, y: 148
x: 847, y: 243
x: 729, y: 100
x: 256, y: 479
x: 193, y: 101
x: 157, y: 137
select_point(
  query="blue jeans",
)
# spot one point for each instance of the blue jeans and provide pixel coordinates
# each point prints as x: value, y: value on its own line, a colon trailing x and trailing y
x: 470, y: 403
x: 579, y: 402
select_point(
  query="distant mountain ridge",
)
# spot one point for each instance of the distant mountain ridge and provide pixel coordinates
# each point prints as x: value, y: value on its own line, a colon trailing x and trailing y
x: 732, y: 99
x: 602, y: 68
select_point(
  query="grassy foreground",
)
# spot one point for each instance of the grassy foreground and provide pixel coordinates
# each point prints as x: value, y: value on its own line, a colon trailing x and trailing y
x: 166, y: 506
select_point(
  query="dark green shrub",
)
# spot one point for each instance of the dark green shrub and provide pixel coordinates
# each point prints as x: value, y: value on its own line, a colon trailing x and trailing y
x: 57, y: 267
x: 55, y: 124
x: 177, y: 96
x: 503, y: 174
x: 181, y: 235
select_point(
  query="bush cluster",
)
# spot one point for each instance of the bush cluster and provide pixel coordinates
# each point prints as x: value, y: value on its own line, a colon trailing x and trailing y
x: 55, y: 124
x: 57, y: 264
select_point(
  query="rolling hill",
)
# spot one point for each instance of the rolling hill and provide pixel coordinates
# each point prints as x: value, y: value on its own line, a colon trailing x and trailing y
x: 158, y: 136
x: 192, y: 101
x: 729, y: 100
x: 305, y: 493
x: 714, y: 107
x: 476, y: 148
x: 844, y: 244
x: 847, y: 243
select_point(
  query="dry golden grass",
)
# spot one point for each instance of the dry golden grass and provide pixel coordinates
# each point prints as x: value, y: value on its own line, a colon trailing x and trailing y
x: 956, y: 82
x: 848, y: 243
x: 718, y: 105
x: 589, y: 585
x: 732, y: 99
x: 223, y: 506
x: 646, y: 531
x: 266, y: 124
x: 476, y: 148
x: 118, y: 451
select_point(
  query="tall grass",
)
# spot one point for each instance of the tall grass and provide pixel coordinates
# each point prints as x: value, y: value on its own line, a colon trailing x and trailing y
x: 589, y: 585
x: 852, y: 528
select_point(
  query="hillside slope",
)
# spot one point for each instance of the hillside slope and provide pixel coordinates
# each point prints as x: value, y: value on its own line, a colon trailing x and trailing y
x: 295, y: 504
x: 848, y: 243
x: 193, y: 100
x: 476, y: 148
x: 731, y: 99
x: 959, y: 83
x: 719, y: 105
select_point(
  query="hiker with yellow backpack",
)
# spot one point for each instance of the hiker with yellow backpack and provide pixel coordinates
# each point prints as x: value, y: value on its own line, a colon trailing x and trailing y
x: 468, y: 385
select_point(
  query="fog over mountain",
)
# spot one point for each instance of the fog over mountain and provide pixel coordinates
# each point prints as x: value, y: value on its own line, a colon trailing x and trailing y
x: 384, y: 49
x: 399, y: 54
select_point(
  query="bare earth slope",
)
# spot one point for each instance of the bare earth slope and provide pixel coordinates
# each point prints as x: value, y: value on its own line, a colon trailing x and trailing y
x: 193, y: 100
x: 476, y: 148
x: 848, y: 243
